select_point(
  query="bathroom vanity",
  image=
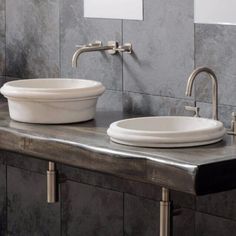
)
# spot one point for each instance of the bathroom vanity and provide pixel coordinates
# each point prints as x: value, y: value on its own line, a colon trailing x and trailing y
x: 103, y: 188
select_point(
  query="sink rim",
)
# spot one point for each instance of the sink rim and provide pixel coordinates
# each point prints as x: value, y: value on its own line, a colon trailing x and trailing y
x: 218, y: 124
x: 52, y: 100
x: 88, y: 88
x: 169, y: 139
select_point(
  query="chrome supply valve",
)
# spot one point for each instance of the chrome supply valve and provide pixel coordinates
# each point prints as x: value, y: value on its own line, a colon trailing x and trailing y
x: 112, y: 48
x: 232, y: 130
x: 195, y: 109
x: 127, y: 47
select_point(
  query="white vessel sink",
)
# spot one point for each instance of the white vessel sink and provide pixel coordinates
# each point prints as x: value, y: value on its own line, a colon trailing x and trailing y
x: 166, y: 131
x: 52, y: 101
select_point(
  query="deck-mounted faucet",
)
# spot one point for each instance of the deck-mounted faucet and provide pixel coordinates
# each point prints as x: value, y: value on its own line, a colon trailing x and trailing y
x: 112, y: 47
x: 213, y: 78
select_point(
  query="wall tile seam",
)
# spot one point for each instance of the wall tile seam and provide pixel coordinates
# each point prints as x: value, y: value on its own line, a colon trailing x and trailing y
x: 5, y: 36
x: 122, y: 56
x: 194, y: 58
x: 157, y: 95
x: 214, y: 24
x: 221, y: 104
x: 59, y: 32
x: 151, y: 95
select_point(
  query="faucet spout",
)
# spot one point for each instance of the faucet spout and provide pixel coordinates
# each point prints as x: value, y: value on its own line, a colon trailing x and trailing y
x: 214, y: 81
x: 88, y: 48
x: 112, y: 47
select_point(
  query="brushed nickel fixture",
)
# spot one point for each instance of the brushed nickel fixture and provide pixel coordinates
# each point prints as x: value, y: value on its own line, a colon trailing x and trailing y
x: 165, y: 213
x: 194, y: 109
x: 232, y: 130
x: 112, y: 48
x: 51, y: 183
x: 214, y: 81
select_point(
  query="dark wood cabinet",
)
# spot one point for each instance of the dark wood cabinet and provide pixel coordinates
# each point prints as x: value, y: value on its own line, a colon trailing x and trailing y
x: 28, y: 213
x: 3, y: 198
x: 90, y: 211
x: 83, y: 209
x: 90, y: 203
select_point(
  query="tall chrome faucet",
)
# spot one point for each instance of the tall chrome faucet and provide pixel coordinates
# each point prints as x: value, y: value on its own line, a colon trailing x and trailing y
x: 213, y: 78
x: 112, y: 47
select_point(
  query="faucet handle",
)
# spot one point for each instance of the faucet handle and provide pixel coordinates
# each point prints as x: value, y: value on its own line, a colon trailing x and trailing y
x: 127, y: 47
x: 195, y: 109
x: 232, y: 130
x: 95, y: 44
x: 234, y: 116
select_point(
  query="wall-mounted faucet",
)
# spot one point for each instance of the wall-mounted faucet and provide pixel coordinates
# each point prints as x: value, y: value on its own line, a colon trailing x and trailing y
x: 112, y: 47
x: 213, y: 78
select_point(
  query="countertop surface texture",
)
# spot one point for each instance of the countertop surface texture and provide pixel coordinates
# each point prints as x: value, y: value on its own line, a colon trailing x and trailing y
x: 198, y: 170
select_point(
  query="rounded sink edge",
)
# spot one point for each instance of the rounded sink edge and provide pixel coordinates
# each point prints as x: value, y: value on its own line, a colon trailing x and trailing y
x: 52, y: 94
x: 167, y: 145
x: 19, y: 84
x: 167, y: 139
x: 114, y: 126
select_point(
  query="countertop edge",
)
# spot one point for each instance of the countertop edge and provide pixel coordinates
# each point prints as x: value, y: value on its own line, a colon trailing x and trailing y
x: 138, y: 169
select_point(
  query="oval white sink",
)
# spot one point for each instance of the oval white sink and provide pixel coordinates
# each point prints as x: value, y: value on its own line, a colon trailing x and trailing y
x: 166, y: 131
x: 52, y: 101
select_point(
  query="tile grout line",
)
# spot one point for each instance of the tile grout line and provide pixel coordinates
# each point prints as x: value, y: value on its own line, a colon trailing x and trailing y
x: 122, y: 64
x: 194, y: 57
x: 59, y: 35
x: 5, y: 48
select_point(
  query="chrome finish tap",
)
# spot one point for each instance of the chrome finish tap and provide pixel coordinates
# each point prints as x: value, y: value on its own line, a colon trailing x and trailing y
x: 232, y: 129
x: 194, y: 109
x: 214, y: 81
x: 112, y: 47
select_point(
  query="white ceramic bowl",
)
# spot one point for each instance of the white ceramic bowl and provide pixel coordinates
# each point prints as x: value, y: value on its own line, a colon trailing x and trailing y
x: 52, y: 101
x: 166, y: 131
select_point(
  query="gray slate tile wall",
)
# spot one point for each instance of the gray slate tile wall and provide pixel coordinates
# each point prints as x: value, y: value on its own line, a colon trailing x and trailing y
x: 215, y: 47
x: 38, y: 38
x: 2, y: 38
x: 32, y: 38
x: 77, y: 30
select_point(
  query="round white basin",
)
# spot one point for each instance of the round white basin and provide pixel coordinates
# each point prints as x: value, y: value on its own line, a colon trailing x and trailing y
x: 52, y: 101
x: 166, y: 131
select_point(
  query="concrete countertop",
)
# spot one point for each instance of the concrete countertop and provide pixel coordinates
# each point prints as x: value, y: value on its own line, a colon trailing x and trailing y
x: 198, y: 170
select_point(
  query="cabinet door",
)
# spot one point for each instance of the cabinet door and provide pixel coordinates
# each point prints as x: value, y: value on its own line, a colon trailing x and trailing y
x: 28, y: 212
x: 91, y: 211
